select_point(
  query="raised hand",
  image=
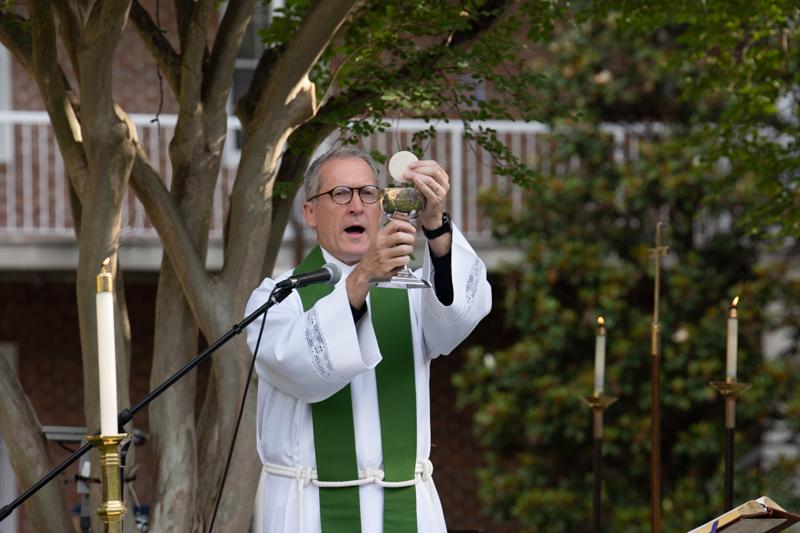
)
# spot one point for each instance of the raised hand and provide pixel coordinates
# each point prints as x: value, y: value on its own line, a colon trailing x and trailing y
x: 433, y: 182
x: 388, y: 252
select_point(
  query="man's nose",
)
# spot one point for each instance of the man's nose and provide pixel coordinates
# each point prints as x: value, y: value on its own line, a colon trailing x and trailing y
x: 356, y: 205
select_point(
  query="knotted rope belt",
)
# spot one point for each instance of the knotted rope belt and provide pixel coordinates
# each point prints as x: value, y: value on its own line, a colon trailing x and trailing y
x: 305, y: 475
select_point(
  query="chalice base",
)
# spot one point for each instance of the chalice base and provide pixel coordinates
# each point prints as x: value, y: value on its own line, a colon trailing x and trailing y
x: 402, y: 281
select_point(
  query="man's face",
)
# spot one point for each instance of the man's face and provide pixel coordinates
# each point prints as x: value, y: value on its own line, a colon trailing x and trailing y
x: 344, y: 230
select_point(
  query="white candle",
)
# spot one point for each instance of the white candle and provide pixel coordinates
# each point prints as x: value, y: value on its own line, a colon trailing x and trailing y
x: 733, y: 340
x: 106, y: 353
x: 599, y: 357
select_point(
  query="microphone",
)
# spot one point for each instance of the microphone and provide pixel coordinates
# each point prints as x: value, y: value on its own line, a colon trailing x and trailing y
x: 329, y: 274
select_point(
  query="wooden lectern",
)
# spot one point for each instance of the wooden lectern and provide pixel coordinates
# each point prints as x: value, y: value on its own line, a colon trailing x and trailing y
x: 756, y: 516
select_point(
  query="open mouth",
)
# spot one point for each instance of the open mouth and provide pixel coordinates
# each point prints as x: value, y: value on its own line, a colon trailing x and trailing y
x: 354, y: 230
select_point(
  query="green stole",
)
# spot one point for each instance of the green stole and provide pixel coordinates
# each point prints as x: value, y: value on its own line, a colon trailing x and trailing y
x: 334, y: 433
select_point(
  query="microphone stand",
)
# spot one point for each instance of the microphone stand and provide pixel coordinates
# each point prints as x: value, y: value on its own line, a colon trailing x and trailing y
x: 125, y: 416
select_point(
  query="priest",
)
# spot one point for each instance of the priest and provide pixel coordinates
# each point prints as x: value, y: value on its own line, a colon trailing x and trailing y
x: 343, y: 421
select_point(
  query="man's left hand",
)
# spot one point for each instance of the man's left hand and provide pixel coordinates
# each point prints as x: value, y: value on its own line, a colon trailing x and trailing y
x: 433, y: 182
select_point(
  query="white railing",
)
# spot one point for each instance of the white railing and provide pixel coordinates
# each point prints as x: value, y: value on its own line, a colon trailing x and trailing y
x: 34, y: 197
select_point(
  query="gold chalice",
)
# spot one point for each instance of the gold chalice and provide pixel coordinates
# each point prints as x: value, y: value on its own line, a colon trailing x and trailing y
x: 404, y: 203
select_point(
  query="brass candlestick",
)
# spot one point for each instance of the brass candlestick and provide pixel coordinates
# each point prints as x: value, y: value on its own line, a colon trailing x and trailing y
x: 730, y: 390
x: 655, y: 391
x: 598, y: 404
x: 112, y: 509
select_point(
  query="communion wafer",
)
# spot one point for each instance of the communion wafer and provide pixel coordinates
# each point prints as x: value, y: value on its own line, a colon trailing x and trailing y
x: 398, y: 164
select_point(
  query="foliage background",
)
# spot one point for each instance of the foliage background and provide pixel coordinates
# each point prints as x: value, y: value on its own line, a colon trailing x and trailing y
x: 701, y: 80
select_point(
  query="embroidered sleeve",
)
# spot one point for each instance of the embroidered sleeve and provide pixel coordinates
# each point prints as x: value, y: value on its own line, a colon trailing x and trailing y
x: 473, y: 279
x: 318, y: 348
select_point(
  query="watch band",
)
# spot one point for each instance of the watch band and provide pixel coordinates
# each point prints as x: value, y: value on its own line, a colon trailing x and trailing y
x: 441, y: 230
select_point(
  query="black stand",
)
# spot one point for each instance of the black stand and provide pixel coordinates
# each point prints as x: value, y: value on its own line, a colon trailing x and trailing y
x: 729, y: 435
x: 126, y: 415
x: 599, y: 403
x: 597, y: 500
x: 730, y: 390
x: 655, y: 441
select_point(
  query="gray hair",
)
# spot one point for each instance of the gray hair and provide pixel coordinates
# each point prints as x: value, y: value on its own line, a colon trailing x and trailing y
x: 311, y: 183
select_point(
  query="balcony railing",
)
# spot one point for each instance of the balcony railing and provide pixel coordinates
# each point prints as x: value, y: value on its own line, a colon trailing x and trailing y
x: 34, y: 195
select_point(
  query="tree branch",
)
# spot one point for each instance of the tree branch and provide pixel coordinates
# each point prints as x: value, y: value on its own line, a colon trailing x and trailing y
x: 183, y: 16
x: 223, y: 55
x: 302, y: 52
x: 44, y: 68
x: 490, y: 14
x: 16, y: 35
x: 246, y: 105
x: 169, y: 61
x: 177, y: 241
x: 299, y: 149
x: 98, y: 45
x: 193, y: 50
x: 191, y: 116
x: 71, y: 18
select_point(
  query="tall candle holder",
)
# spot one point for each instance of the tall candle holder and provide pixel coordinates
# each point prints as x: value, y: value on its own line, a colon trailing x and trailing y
x: 112, y: 509
x: 598, y: 403
x: 106, y: 350
x: 730, y: 390
x: 655, y: 391
x: 109, y: 439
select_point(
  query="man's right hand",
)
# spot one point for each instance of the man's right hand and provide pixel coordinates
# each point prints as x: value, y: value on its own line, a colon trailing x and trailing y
x: 388, y: 252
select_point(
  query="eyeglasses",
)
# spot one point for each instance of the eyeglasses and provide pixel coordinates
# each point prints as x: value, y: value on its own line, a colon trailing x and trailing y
x: 343, y: 194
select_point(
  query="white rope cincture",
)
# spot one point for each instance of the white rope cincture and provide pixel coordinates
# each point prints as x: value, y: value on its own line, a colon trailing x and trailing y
x: 305, y: 475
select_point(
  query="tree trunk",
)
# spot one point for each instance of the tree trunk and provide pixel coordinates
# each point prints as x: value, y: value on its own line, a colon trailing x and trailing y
x: 172, y: 416
x: 196, y: 161
x: 238, y: 497
x: 27, y: 450
x: 217, y: 423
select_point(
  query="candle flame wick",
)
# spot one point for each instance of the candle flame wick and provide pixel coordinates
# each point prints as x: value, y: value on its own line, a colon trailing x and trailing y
x: 735, y: 302
x: 600, y: 321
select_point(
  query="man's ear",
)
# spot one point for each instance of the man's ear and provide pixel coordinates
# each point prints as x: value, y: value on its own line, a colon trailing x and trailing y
x: 309, y: 215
